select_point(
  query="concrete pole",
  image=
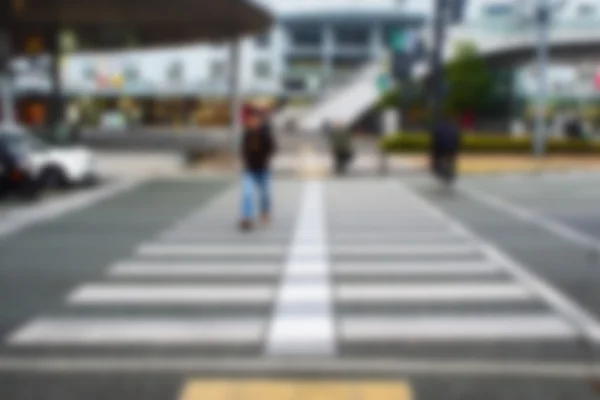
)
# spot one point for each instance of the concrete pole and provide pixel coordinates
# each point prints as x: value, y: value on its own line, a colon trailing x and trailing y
x: 235, y: 94
x: 437, y: 78
x: 56, y: 96
x: 8, y: 106
x: 543, y: 25
x: 436, y: 68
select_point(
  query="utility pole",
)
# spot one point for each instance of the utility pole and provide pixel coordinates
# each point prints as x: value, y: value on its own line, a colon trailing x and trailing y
x: 7, y: 99
x: 235, y: 94
x: 542, y: 19
x: 56, y: 96
x: 437, y: 76
x: 6, y: 80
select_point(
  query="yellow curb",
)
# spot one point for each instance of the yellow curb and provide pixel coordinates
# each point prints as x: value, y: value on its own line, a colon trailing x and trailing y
x: 490, y: 165
x: 295, y: 390
x: 491, y: 169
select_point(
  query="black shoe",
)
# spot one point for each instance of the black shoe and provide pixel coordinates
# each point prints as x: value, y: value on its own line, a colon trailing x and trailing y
x: 265, y: 220
x: 246, y: 225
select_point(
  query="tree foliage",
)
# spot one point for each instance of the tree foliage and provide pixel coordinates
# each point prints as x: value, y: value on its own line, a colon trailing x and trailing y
x: 389, y: 99
x: 469, y: 80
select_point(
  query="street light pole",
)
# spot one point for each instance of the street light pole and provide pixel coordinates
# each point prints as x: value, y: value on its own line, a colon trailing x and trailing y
x: 542, y: 16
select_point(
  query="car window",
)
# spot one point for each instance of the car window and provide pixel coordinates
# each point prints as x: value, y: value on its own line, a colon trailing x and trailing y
x: 34, y: 142
x: 22, y: 141
x: 11, y: 142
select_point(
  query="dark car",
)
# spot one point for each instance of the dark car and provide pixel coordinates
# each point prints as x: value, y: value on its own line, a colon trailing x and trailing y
x: 16, y: 176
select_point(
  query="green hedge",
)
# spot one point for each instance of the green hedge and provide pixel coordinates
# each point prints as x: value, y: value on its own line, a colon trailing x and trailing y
x: 474, y: 143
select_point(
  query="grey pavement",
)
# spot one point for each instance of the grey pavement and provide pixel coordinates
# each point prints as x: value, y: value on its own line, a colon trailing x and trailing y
x: 359, y: 279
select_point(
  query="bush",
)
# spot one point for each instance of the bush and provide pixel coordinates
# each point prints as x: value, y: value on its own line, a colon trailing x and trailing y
x: 480, y: 144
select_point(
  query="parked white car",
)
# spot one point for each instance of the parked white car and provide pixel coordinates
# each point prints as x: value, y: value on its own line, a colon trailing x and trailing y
x: 53, y: 166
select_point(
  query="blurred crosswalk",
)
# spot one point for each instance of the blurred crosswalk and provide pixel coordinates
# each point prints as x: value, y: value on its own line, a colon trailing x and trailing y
x: 348, y: 269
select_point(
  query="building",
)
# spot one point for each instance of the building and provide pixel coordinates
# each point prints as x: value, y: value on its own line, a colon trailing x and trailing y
x: 36, y: 29
x: 323, y: 48
x: 310, y: 50
x: 506, y: 34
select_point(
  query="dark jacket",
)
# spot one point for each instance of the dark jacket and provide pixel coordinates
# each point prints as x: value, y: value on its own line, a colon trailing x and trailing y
x: 340, y: 142
x: 446, y: 138
x: 258, y: 149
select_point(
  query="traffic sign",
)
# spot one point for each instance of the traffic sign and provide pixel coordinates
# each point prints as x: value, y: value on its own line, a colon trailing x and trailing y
x: 398, y: 41
x: 403, y: 41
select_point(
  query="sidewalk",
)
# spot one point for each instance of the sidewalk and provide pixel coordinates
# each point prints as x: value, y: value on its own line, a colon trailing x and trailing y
x: 138, y: 165
x: 321, y: 164
x: 506, y: 163
x: 317, y: 163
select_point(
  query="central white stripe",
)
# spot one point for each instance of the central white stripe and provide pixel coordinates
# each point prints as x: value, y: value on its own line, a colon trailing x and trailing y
x: 303, y: 323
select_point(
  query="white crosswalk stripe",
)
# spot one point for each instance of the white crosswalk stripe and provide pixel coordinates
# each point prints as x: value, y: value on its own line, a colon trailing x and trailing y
x: 142, y: 269
x: 133, y: 331
x: 200, y: 235
x: 432, y: 292
x: 148, y: 294
x: 174, y: 250
x: 416, y: 268
x: 456, y: 328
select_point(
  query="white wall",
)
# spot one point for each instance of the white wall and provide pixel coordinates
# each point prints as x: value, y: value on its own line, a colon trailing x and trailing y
x: 197, y: 63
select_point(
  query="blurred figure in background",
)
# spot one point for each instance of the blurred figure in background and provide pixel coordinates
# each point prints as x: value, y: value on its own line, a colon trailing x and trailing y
x: 327, y: 129
x: 258, y: 149
x: 341, y: 147
x: 574, y: 127
x: 445, y: 148
x: 73, y: 123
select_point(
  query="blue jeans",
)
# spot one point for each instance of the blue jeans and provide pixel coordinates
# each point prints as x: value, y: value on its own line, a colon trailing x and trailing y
x: 251, y: 181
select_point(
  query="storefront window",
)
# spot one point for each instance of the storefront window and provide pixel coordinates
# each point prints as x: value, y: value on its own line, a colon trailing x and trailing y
x: 262, y: 69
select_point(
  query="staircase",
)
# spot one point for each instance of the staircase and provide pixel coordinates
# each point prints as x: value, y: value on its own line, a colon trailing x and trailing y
x: 346, y: 104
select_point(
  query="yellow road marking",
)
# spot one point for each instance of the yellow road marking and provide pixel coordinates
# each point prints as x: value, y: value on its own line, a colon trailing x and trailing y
x: 295, y: 390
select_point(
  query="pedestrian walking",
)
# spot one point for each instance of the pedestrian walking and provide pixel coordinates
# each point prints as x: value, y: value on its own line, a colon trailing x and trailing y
x: 445, y: 149
x: 341, y: 148
x: 258, y: 149
x: 327, y: 129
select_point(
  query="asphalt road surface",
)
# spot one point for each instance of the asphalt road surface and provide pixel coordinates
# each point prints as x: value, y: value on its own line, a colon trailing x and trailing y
x: 140, y: 290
